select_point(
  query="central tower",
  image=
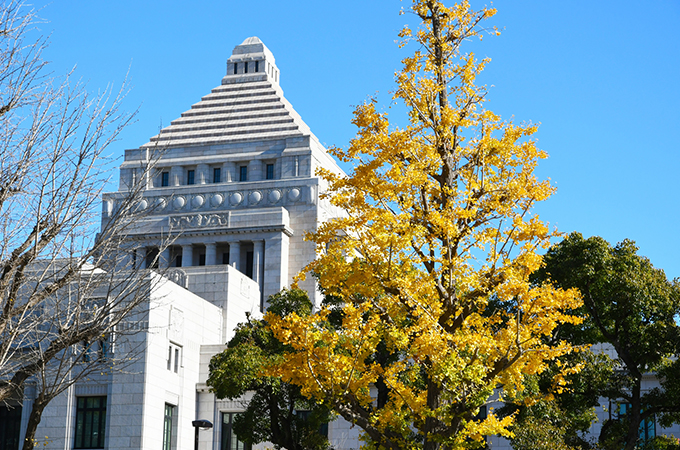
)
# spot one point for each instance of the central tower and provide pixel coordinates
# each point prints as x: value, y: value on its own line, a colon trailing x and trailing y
x: 234, y: 181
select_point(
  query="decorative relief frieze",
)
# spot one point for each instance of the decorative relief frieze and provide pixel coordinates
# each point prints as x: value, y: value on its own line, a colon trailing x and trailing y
x: 274, y: 196
x: 178, y: 276
x: 179, y: 202
x: 254, y: 197
x: 206, y: 201
x: 200, y: 220
x: 197, y: 201
x: 294, y: 194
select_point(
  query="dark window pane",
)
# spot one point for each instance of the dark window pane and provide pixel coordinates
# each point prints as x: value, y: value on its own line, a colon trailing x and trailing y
x: 270, y: 171
x: 228, y: 439
x: 90, y: 422
x: 165, y: 179
x: 190, y: 176
x: 243, y: 174
x: 217, y: 175
x: 249, y: 264
x: 167, y: 427
x: 10, y: 425
x: 201, y: 259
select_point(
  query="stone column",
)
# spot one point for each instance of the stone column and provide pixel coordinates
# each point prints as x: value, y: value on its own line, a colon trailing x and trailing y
x: 210, y: 254
x: 235, y: 255
x: 202, y: 173
x: 276, y: 266
x: 176, y: 175
x: 255, y: 170
x: 229, y: 172
x: 140, y: 258
x: 258, y: 260
x: 164, y: 259
x: 187, y: 255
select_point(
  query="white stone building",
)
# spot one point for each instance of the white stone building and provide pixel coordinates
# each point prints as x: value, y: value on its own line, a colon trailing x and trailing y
x: 235, y: 186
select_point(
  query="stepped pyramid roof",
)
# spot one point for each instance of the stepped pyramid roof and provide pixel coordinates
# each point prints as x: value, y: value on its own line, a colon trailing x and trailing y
x: 247, y: 106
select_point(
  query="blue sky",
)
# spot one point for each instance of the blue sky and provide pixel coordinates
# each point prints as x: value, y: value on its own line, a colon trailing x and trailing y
x: 601, y: 77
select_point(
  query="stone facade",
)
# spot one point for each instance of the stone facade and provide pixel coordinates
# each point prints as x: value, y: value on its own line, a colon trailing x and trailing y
x: 234, y: 186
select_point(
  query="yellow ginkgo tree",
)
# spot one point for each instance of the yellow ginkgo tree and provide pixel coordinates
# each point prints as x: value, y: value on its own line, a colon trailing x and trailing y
x: 432, y: 314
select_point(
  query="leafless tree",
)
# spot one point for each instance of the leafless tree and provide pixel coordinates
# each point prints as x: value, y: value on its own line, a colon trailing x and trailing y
x: 64, y: 288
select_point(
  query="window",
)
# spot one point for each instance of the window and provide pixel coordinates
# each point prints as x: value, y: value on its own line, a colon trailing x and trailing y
x: 96, y: 350
x: 90, y: 422
x: 249, y: 265
x: 647, y: 430
x: 165, y: 179
x: 190, y: 176
x: 243, y: 173
x: 306, y: 415
x: 245, y: 67
x: 270, y: 172
x: 201, y: 259
x: 217, y: 175
x: 257, y: 66
x: 178, y: 260
x: 228, y: 440
x: 168, y: 427
x: 225, y: 258
x: 174, y: 357
x: 152, y: 258
x: 235, y: 68
x: 10, y: 425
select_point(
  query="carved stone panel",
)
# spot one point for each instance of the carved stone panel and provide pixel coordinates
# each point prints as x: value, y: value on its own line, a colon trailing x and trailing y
x: 208, y: 220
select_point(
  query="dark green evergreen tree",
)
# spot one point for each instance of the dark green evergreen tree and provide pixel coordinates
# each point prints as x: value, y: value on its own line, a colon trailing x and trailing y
x: 632, y: 306
x: 278, y: 412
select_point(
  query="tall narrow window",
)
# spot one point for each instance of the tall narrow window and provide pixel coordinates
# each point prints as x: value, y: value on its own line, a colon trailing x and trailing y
x: 225, y: 258
x: 165, y: 179
x: 243, y: 173
x: 201, y: 259
x: 217, y: 175
x: 90, y: 422
x: 270, y: 172
x: 10, y: 425
x: 257, y: 66
x: 245, y: 67
x: 168, y: 426
x: 249, y: 264
x: 228, y: 439
x: 190, y: 176
x: 235, y: 68
x: 170, y: 357
x: 176, y: 360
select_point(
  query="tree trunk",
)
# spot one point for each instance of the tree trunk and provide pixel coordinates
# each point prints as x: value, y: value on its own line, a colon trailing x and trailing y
x: 634, y: 417
x: 433, y: 397
x: 34, y: 419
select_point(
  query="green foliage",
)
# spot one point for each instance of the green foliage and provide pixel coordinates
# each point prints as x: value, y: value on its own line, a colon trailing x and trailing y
x: 663, y: 443
x: 277, y: 412
x: 632, y: 306
x: 565, y: 409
